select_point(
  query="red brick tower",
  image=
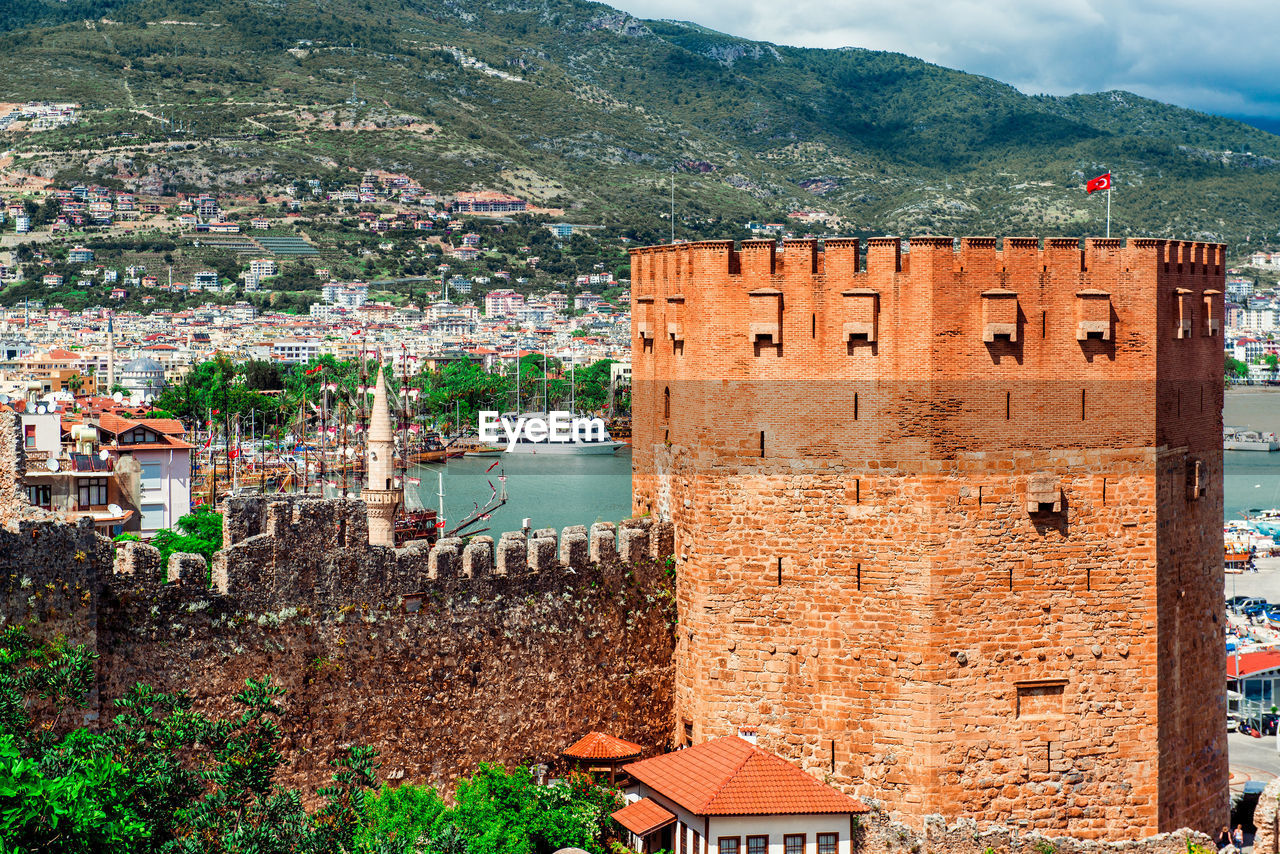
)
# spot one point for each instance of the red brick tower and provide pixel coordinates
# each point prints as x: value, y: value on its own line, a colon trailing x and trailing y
x: 948, y: 523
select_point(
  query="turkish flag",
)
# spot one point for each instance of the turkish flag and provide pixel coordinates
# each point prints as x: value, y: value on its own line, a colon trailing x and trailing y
x: 1102, y: 182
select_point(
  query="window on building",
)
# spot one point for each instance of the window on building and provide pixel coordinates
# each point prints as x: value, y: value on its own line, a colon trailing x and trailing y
x: 828, y: 843
x: 757, y: 845
x: 92, y: 492
x: 152, y: 476
x: 152, y: 516
x: 730, y: 844
x: 40, y: 495
x: 793, y: 843
x: 29, y: 435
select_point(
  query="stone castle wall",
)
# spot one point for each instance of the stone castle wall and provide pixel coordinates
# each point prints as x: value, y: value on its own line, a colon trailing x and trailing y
x: 439, y: 658
x: 946, y: 523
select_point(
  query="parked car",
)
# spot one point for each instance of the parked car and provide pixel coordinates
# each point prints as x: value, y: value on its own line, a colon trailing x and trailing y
x: 1250, y: 604
x: 1256, y: 608
x: 1234, y: 602
x: 1232, y: 724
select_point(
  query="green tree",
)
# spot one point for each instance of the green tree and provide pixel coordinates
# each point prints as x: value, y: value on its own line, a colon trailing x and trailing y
x: 506, y: 812
x: 402, y: 819
x: 79, y: 806
x: 199, y: 532
x: 261, y: 375
x: 1236, y: 369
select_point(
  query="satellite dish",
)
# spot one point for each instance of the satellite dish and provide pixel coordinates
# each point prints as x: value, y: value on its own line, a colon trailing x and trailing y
x: 117, y: 397
x: 114, y: 509
x: 52, y: 465
x: 104, y: 454
x: 40, y: 410
x: 4, y: 398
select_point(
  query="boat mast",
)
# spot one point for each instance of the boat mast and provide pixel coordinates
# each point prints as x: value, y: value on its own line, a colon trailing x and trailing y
x: 306, y: 452
x: 345, y: 460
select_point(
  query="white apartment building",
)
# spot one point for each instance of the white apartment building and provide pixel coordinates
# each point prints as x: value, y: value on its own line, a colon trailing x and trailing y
x: 1258, y: 319
x: 502, y: 303
x: 295, y: 351
x: 351, y: 295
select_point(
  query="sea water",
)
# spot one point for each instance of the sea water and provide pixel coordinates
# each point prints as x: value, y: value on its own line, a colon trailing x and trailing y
x: 1251, y: 479
x: 551, y: 491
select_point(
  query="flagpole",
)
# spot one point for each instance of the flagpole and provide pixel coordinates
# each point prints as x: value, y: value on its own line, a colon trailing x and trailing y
x: 1108, y: 209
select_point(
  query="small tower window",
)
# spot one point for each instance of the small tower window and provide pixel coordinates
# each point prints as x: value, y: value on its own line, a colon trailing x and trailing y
x: 1183, y: 312
x: 999, y: 315
x: 1093, y: 315
x: 1212, y: 323
x: 862, y: 316
x: 766, y: 316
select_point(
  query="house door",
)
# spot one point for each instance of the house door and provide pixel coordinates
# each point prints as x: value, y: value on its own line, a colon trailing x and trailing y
x: 661, y: 840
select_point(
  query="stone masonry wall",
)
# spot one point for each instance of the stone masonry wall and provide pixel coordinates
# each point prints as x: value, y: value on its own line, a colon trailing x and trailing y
x: 947, y: 522
x: 440, y: 659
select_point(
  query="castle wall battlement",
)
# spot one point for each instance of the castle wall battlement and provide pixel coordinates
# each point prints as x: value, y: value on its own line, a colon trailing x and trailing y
x: 929, y: 352
x: 438, y: 658
x: 805, y: 259
x: 297, y: 550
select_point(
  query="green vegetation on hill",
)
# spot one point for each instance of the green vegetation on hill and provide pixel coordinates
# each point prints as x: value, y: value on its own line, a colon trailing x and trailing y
x: 577, y: 105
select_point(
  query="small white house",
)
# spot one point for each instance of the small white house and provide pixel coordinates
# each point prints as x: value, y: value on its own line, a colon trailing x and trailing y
x: 726, y: 796
x: 165, y: 461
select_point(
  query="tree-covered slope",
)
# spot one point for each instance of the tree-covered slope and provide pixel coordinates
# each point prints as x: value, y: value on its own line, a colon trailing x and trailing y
x: 578, y: 105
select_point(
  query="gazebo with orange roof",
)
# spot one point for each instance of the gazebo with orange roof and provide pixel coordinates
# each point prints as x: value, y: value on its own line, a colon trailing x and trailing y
x: 598, y: 752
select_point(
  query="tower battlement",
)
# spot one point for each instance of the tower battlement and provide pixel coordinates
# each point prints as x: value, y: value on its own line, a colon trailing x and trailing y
x: 947, y: 520
x: 805, y: 259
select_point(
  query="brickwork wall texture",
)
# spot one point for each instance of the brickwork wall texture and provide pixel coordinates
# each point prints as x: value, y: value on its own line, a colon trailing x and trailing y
x: 947, y: 522
x: 440, y: 659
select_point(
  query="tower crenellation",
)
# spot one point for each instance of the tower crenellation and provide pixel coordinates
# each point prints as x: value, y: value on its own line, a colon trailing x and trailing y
x: 937, y: 505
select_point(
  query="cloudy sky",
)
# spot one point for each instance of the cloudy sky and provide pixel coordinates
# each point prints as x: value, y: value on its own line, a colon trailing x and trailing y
x: 1217, y: 57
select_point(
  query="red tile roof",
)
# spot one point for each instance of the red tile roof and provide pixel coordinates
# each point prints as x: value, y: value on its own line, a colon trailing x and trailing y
x: 598, y: 745
x: 643, y: 817
x: 729, y: 776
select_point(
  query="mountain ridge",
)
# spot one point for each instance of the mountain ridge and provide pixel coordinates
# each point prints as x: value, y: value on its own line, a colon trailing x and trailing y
x: 578, y: 105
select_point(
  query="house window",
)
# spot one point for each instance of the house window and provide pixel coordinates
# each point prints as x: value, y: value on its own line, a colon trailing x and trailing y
x: 40, y: 496
x: 757, y: 845
x: 92, y: 492
x: 793, y: 843
x: 730, y: 844
x: 29, y: 435
x: 828, y: 842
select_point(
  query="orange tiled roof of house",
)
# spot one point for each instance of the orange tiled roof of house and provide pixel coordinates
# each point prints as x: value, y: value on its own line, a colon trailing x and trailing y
x: 643, y: 817
x: 168, y: 430
x: 729, y: 776
x: 599, y: 745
